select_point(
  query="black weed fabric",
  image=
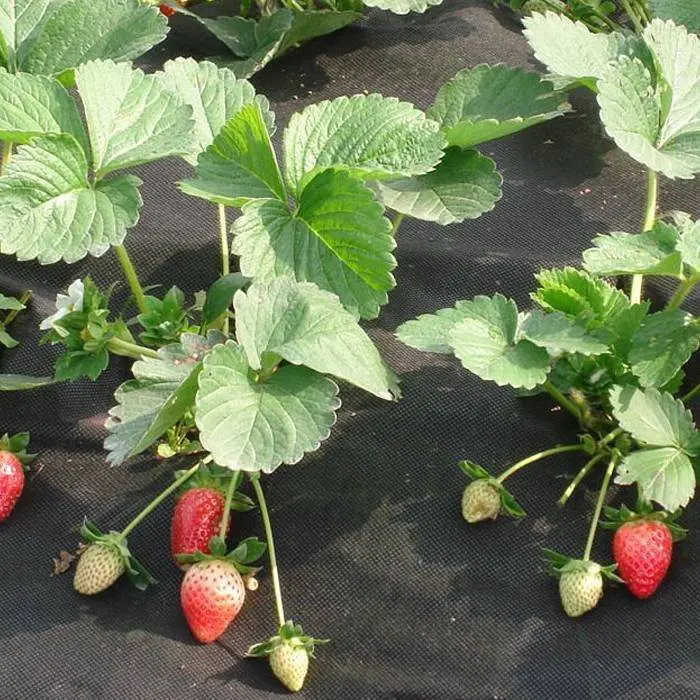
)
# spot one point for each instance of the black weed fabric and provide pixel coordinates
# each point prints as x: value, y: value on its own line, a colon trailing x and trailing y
x: 373, y: 551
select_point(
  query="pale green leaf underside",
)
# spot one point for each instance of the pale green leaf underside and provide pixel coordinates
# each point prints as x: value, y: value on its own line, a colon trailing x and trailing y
x: 558, y: 333
x: 684, y: 12
x: 163, y: 392
x: 10, y: 303
x: 689, y: 246
x: 485, y: 341
x: 136, y: 121
x: 256, y: 426
x: 663, y: 344
x: 664, y: 475
x: 653, y: 418
x: 463, y: 186
x: 240, y: 164
x: 338, y: 239
x: 76, y: 31
x: 307, y: 326
x: 215, y: 95
x: 488, y: 102
x: 403, y: 7
x: 21, y: 382
x: 32, y: 105
x: 310, y: 24
x: 431, y: 332
x: 49, y: 211
x: 375, y: 137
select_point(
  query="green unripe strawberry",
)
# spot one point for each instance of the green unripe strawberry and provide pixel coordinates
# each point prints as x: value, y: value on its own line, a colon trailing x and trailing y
x: 580, y: 587
x: 99, y: 567
x: 481, y: 501
x: 290, y: 665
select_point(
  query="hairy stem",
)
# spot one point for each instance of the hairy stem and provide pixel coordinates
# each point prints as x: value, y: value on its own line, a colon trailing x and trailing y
x: 127, y: 349
x: 535, y: 458
x: 559, y: 397
x: 270, y: 548
x: 6, y: 156
x: 132, y: 278
x: 647, y: 224
x: 633, y: 16
x: 599, y: 507
x: 233, y: 485
x: 225, y: 254
x: 158, y: 500
x: 579, y: 478
x: 684, y: 289
x: 692, y: 394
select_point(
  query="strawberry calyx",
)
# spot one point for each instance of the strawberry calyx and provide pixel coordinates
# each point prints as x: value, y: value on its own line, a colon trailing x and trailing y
x: 139, y: 576
x: 288, y: 634
x: 616, y: 518
x: 509, y: 504
x: 212, y: 476
x: 559, y: 564
x: 17, y: 445
x: 247, y: 552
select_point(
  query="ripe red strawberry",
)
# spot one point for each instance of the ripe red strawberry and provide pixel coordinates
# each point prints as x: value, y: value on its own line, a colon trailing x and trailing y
x: 196, y: 519
x: 212, y: 594
x: 11, y: 482
x: 167, y: 10
x: 642, y: 549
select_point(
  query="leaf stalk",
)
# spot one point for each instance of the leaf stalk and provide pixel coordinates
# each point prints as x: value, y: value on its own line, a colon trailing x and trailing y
x: 132, y: 278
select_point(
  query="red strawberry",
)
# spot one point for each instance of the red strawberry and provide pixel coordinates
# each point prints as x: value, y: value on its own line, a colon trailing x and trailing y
x: 642, y: 549
x: 167, y: 10
x: 196, y: 519
x: 11, y: 482
x: 212, y: 594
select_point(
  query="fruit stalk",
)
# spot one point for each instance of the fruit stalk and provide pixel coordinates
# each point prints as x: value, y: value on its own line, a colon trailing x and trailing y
x: 649, y: 218
x: 233, y: 485
x: 599, y: 507
x: 131, y: 277
x: 579, y: 478
x: 158, y: 500
x: 536, y: 457
x: 270, y: 548
x: 123, y: 347
x: 692, y: 394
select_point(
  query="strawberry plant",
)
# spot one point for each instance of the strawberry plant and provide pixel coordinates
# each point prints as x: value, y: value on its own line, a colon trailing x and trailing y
x: 611, y: 359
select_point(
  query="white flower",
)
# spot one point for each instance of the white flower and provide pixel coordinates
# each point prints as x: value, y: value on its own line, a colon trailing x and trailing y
x: 65, y: 304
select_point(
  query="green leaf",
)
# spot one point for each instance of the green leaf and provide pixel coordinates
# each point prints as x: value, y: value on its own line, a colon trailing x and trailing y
x: 486, y: 342
x: 653, y: 418
x: 689, y: 245
x: 32, y: 105
x: 649, y: 253
x: 403, y: 7
x: 6, y: 339
x: 161, y: 393
x: 463, y: 186
x: 21, y: 382
x: 664, y: 475
x: 375, y: 137
x: 136, y: 121
x: 559, y: 333
x: 49, y: 211
x: 662, y: 345
x: 220, y: 296
x: 307, y: 326
x: 310, y: 24
x: 18, y: 18
x: 569, y: 48
x: 10, y: 304
x: 256, y: 426
x: 657, y: 121
x: 489, y: 102
x: 680, y: 11
x: 337, y: 239
x: 76, y: 31
x: 215, y: 95
x: 240, y: 165
x: 431, y: 332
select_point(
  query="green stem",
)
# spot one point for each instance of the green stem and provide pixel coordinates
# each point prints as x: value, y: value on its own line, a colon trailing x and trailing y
x: 158, y: 500
x: 633, y: 16
x: 536, y: 457
x: 12, y: 314
x: 610, y: 437
x: 557, y: 395
x: 6, y: 156
x: 132, y: 278
x: 396, y: 224
x: 127, y: 349
x: 270, y: 548
x: 643, y: 10
x: 614, y: 26
x: 685, y: 288
x: 691, y: 394
x: 225, y: 255
x: 233, y: 485
x: 579, y: 478
x: 599, y: 507
x: 647, y: 224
